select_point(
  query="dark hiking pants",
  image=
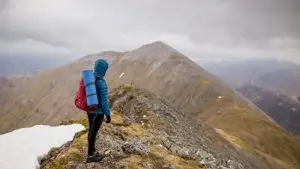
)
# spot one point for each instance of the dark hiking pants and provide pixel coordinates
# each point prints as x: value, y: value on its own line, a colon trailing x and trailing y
x: 95, y: 121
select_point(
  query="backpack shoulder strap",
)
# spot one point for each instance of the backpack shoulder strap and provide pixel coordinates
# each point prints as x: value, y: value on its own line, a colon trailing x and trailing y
x: 97, y: 87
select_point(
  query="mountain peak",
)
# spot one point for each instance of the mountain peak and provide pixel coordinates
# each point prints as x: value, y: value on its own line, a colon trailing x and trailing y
x: 157, y: 46
x: 152, y: 52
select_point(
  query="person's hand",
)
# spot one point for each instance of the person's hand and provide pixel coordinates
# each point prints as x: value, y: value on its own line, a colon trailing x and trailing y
x: 108, y: 119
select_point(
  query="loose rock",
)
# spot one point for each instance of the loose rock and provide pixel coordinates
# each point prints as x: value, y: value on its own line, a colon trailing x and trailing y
x: 135, y: 146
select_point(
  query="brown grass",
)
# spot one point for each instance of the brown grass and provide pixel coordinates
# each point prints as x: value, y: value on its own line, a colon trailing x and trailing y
x: 133, y: 162
x: 117, y: 119
x: 257, y: 134
x: 135, y: 130
x: 73, y: 153
x: 232, y: 139
x: 163, y: 156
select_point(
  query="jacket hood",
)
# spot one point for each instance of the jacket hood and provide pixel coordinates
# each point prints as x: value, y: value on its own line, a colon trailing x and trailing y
x: 100, y: 68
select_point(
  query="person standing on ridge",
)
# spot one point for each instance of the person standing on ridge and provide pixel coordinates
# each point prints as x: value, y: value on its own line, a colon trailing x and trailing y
x: 96, y: 117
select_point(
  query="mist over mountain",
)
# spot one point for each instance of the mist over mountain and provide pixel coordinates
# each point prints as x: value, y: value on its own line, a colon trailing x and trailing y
x: 23, y: 64
x: 285, y: 81
x: 48, y: 98
x: 272, y: 85
x: 237, y: 73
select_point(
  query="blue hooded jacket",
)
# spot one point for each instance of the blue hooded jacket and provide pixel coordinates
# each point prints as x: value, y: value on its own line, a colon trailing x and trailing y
x: 100, y: 69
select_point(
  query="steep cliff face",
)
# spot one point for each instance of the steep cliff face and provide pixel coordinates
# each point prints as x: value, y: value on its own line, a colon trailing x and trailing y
x: 146, y: 132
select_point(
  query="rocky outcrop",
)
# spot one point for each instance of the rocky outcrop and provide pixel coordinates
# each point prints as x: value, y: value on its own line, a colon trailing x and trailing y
x: 146, y: 132
x: 135, y: 146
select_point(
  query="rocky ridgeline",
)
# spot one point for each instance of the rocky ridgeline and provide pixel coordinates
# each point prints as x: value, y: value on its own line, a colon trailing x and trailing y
x: 146, y: 132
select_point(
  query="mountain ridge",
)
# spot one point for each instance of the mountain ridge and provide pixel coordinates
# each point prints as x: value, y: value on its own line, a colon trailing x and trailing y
x: 44, y: 98
x: 165, y: 139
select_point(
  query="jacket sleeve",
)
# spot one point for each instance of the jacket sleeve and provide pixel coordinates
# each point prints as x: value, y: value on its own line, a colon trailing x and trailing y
x: 103, y: 94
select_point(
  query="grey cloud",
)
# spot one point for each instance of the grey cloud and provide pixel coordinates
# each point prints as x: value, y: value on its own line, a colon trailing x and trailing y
x: 193, y: 26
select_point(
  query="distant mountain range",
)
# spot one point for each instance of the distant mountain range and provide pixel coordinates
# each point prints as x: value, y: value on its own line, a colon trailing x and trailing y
x: 47, y: 97
x: 23, y: 64
x: 272, y: 85
x: 286, y: 81
x: 238, y: 73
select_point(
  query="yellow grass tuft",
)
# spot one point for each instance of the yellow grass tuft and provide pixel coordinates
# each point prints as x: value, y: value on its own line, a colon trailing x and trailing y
x: 73, y: 153
x: 135, y: 130
x: 232, y: 139
x: 165, y: 157
x: 117, y: 119
x: 133, y: 162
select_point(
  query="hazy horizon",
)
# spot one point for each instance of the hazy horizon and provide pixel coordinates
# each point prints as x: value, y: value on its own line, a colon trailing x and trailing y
x: 221, y: 30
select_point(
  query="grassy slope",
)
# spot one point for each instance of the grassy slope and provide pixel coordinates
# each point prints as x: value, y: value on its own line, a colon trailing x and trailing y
x: 44, y: 98
x: 259, y: 137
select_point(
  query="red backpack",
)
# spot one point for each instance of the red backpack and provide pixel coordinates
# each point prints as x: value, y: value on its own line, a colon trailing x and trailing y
x: 80, y: 100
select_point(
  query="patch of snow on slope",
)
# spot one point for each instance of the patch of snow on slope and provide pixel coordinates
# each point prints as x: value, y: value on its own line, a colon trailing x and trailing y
x: 121, y: 75
x: 21, y: 148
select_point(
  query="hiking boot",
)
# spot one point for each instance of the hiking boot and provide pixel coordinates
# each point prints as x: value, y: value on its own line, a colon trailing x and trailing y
x: 94, y: 158
x: 98, y: 154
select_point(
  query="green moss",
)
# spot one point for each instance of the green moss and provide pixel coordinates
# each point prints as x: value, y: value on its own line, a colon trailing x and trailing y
x: 120, y: 91
x: 62, y: 163
x: 52, y: 151
x: 73, y: 153
x: 80, y: 133
x: 83, y: 121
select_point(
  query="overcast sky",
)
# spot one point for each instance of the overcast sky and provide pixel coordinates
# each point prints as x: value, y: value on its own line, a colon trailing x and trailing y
x: 201, y: 29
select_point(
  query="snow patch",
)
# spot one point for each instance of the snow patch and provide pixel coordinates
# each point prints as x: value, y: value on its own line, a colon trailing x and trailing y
x: 220, y: 97
x: 121, y: 75
x: 21, y: 148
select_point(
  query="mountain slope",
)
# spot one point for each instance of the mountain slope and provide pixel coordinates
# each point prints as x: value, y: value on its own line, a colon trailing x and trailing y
x: 146, y: 132
x: 282, y: 109
x: 48, y: 98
